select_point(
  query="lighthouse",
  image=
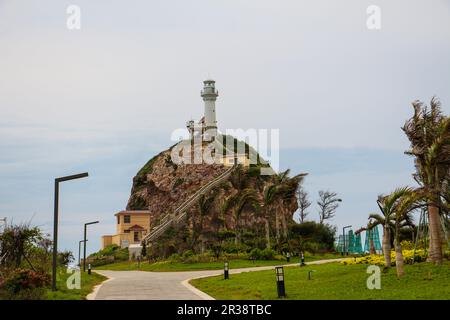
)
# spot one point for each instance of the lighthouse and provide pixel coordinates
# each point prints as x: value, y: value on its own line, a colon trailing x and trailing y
x: 209, y: 95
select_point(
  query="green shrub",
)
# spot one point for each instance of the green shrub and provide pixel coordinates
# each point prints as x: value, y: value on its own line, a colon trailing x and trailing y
x: 231, y: 247
x: 319, y: 237
x: 24, y: 284
x: 255, y: 254
x: 447, y: 254
x: 108, y: 255
x: 25, y: 294
x: 268, y: 254
x: 188, y: 254
x: 175, y: 257
x: 265, y: 254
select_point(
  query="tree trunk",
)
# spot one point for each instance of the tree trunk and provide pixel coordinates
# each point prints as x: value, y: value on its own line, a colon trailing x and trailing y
x: 435, y: 235
x: 387, y: 246
x: 267, y: 233
x: 277, y: 225
x: 399, y: 258
x: 284, y: 224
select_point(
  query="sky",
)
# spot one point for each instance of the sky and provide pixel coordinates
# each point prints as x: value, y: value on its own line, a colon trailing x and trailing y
x: 106, y: 98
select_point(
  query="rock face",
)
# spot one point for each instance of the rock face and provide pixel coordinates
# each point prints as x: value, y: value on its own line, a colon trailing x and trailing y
x: 161, y: 185
x: 232, y: 208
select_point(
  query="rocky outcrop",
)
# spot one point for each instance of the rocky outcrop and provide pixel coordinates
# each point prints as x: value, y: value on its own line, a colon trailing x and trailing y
x: 160, y: 186
x: 234, y: 207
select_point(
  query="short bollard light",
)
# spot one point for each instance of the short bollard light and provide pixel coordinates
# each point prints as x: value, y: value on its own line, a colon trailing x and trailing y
x: 302, y: 260
x: 309, y: 274
x: 279, y: 272
x: 89, y: 268
x: 225, y: 271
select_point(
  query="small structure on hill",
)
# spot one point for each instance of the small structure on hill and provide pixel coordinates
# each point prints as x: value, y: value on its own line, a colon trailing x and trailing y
x: 131, y: 228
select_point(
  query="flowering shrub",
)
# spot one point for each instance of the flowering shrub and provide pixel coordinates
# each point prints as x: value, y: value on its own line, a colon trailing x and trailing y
x: 379, y: 259
x: 22, y: 279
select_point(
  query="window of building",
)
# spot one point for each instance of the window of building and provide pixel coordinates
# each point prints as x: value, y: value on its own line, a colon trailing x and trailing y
x: 118, y: 219
x: 136, y: 236
x: 126, y: 219
x: 126, y: 231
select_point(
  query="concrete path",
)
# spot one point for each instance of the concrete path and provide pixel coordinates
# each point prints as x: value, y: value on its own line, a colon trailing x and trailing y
x: 145, y: 285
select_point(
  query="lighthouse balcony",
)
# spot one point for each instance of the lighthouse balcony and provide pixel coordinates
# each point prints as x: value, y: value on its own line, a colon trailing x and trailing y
x: 209, y: 91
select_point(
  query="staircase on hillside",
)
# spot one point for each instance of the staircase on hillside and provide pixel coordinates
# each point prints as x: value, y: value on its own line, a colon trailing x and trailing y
x: 180, y: 212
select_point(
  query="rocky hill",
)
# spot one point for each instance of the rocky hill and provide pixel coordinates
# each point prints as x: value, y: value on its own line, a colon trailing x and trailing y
x: 245, y: 204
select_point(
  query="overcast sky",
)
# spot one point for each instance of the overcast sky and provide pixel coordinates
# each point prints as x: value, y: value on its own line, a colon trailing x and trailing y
x: 106, y: 98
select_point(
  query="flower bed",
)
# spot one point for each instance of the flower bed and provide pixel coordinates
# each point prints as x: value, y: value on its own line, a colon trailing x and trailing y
x: 379, y: 259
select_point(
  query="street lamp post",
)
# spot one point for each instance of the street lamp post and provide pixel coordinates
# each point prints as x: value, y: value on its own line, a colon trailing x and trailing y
x: 55, y: 221
x: 226, y: 271
x: 84, y: 253
x: 343, y: 238
x: 279, y: 272
x: 79, y: 252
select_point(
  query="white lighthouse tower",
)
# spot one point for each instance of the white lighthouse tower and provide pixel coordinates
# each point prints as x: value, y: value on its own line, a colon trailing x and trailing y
x: 209, y: 95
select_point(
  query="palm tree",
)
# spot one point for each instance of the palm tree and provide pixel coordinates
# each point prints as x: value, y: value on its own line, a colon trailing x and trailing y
x: 204, y: 205
x: 403, y: 219
x: 289, y: 188
x: 248, y: 199
x: 227, y: 206
x: 387, y: 205
x: 429, y: 133
x: 269, y: 197
x: 279, y: 197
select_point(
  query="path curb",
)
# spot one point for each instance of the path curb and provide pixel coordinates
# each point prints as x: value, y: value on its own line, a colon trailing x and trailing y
x: 93, y: 294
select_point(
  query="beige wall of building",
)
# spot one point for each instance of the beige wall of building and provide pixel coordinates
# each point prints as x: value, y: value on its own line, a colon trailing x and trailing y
x: 131, y: 227
x: 228, y: 160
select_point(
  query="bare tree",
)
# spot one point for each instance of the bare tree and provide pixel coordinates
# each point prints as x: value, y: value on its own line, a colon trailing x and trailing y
x: 303, y: 203
x: 328, y: 203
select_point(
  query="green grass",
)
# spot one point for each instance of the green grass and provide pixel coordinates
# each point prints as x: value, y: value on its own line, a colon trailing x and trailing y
x: 87, y: 285
x: 166, y: 266
x: 333, y: 281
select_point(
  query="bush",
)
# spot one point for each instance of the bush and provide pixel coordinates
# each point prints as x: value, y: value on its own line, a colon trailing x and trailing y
x: 268, y: 254
x: 231, y: 247
x: 113, y: 250
x: 265, y: 254
x: 255, y: 254
x: 314, y: 236
x: 187, y: 254
x: 375, y: 259
x: 107, y: 255
x: 24, y: 284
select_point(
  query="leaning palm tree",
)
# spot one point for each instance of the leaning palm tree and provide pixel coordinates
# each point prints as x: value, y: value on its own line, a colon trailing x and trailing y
x: 227, y: 206
x: 429, y: 133
x: 280, y: 196
x: 289, y: 199
x: 387, y: 205
x: 269, y: 197
x: 248, y: 199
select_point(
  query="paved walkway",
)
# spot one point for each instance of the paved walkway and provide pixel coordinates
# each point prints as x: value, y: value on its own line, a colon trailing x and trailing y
x: 145, y: 285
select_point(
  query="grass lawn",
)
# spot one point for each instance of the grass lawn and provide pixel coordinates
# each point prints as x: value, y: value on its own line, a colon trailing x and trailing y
x: 87, y: 284
x: 165, y: 266
x: 333, y: 281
